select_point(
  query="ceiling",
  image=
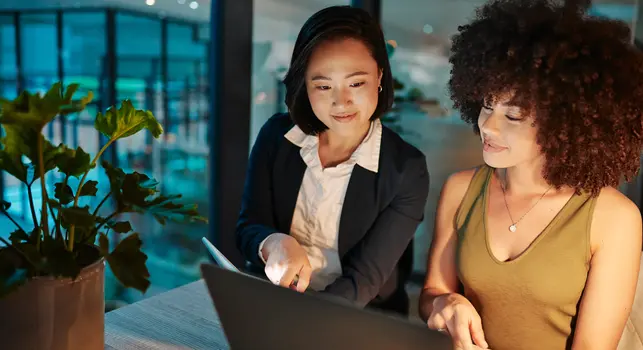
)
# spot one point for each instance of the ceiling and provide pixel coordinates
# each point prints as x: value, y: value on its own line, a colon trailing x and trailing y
x: 442, y: 15
x: 420, y: 57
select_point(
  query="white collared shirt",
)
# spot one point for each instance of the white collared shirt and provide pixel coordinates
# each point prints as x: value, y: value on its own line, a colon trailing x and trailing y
x: 315, y: 222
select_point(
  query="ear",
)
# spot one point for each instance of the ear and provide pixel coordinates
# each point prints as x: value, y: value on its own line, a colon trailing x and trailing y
x: 379, y: 79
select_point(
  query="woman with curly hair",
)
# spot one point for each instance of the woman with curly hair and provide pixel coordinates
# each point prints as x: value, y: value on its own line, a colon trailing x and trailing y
x: 537, y: 249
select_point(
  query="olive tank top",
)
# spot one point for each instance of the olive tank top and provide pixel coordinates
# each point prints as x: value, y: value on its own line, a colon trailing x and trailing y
x: 530, y: 302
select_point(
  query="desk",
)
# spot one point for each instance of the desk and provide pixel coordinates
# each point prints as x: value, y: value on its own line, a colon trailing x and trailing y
x: 183, y: 318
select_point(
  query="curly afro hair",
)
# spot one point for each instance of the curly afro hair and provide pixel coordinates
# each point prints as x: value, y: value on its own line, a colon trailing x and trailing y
x: 579, y: 76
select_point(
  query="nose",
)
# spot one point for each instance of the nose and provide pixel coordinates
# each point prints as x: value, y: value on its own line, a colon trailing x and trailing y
x: 490, y: 124
x: 342, y: 97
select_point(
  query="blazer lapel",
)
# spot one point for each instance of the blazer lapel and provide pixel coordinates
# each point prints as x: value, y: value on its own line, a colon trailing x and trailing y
x: 287, y: 177
x: 359, y: 209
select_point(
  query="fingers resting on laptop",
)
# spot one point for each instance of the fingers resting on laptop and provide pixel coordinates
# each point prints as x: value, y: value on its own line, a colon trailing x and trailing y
x: 455, y: 316
x: 287, y: 264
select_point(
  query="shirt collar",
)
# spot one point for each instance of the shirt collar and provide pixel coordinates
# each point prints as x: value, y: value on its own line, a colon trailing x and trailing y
x: 367, y: 154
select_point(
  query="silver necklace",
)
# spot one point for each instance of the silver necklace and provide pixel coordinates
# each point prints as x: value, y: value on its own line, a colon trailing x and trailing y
x: 513, y: 227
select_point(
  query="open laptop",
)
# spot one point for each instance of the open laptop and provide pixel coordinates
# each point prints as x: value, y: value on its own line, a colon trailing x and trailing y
x: 255, y: 314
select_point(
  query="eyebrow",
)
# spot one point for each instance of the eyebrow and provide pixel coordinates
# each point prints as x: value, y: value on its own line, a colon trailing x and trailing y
x: 321, y: 77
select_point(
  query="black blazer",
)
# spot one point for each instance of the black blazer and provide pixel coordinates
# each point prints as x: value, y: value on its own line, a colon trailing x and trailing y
x: 379, y: 217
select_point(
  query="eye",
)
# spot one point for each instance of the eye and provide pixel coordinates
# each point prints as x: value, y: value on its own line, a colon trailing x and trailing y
x: 513, y: 119
x: 322, y: 87
x: 358, y: 84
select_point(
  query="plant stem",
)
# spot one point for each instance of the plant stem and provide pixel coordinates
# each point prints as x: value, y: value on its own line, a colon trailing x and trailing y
x: 57, y: 227
x: 32, y: 207
x: 43, y: 183
x: 101, y: 203
x: 12, y: 220
x: 57, y: 220
x: 106, y: 219
x: 93, y: 163
x: 72, y: 228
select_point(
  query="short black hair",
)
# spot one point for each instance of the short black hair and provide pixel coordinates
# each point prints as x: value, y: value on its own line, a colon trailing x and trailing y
x: 333, y: 23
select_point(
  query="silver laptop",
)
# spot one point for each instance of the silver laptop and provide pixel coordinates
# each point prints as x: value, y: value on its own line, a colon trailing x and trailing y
x: 255, y: 314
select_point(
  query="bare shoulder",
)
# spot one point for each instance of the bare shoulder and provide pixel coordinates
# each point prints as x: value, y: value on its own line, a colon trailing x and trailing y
x: 458, y: 183
x: 616, y: 219
x: 456, y: 186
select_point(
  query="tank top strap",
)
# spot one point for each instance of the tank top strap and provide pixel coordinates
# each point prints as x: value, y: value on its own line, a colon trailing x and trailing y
x: 475, y: 193
x: 574, y: 223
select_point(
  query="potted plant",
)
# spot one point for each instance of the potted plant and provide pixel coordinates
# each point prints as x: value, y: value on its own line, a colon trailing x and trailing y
x: 52, y: 273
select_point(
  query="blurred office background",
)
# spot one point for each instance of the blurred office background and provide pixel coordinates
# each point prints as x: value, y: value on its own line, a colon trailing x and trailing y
x: 211, y: 70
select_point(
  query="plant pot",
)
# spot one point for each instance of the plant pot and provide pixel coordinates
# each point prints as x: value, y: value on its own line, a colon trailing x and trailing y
x: 56, y: 314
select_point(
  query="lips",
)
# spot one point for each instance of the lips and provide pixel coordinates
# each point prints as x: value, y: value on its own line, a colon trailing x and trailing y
x: 344, y: 117
x: 492, y: 147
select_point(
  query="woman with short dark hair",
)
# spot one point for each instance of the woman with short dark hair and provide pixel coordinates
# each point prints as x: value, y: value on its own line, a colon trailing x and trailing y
x: 332, y: 197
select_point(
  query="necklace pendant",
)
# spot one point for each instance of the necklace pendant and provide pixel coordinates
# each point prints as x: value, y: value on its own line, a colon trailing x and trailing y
x: 513, y: 228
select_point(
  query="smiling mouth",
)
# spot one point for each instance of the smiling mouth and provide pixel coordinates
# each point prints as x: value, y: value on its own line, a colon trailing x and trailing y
x: 492, y: 147
x: 343, y: 115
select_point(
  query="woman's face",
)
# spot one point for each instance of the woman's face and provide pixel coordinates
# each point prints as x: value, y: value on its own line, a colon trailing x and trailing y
x: 342, y: 80
x: 508, y: 137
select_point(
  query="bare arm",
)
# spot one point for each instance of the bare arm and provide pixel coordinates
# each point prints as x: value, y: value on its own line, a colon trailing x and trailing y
x: 609, y: 291
x: 441, y: 278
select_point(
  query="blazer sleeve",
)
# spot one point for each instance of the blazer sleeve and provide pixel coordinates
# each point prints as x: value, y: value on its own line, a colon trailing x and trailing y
x: 370, y: 263
x: 256, y: 219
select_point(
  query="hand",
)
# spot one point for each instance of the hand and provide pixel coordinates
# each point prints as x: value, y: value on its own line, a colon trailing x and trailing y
x: 454, y: 314
x: 285, y: 259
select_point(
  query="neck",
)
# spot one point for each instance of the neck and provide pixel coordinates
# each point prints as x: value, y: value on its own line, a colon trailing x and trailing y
x: 524, y: 178
x: 342, y: 144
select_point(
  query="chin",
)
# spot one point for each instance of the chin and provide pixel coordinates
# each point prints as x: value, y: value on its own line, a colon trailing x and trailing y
x: 496, y: 161
x: 348, y: 127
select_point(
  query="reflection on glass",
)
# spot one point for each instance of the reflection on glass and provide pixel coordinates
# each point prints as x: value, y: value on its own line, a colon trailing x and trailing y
x: 8, y: 83
x: 179, y: 160
x: 276, y: 24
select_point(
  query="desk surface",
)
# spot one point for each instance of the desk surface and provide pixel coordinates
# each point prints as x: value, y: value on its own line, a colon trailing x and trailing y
x: 183, y: 318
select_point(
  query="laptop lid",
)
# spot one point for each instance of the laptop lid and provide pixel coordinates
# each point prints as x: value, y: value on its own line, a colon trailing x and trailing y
x: 255, y: 314
x: 216, y: 254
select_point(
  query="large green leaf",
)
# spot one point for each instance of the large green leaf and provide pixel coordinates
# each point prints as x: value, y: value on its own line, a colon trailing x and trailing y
x: 167, y: 208
x: 126, y: 121
x: 89, y: 188
x: 20, y: 141
x: 24, y: 109
x: 115, y: 176
x: 136, y: 188
x: 16, y: 142
x: 119, y: 226
x: 18, y: 236
x: 135, y: 192
x: 78, y: 216
x: 74, y: 162
x: 63, y: 193
x: 23, y: 120
x: 35, y: 110
x: 127, y: 261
